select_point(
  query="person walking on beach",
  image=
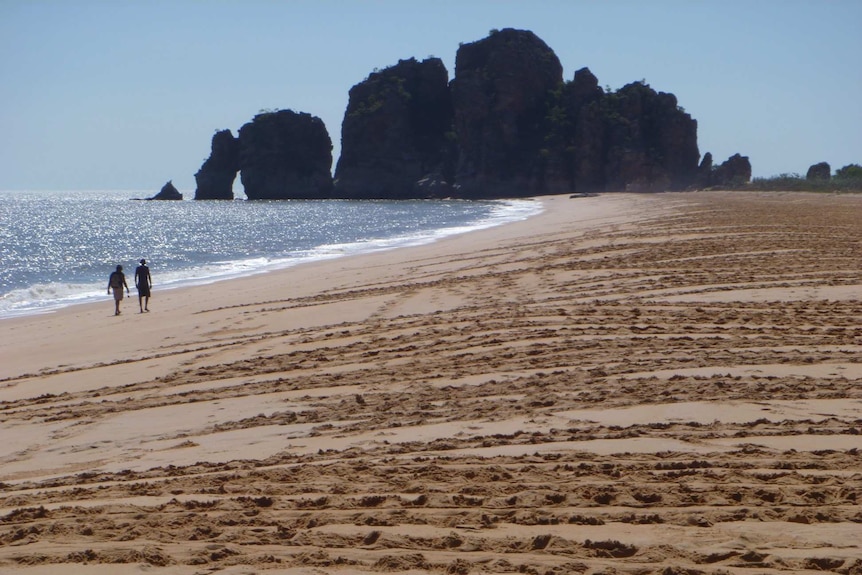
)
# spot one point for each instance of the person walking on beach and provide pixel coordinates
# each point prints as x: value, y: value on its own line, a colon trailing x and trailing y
x: 143, y: 282
x: 116, y: 282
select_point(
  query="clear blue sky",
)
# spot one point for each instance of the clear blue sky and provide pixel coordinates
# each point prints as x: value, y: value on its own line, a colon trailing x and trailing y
x: 126, y: 94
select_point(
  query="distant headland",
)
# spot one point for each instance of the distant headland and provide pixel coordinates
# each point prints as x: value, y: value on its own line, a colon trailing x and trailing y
x: 506, y: 125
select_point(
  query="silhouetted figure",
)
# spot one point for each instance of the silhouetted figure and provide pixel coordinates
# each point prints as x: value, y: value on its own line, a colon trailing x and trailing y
x: 143, y: 282
x: 116, y: 282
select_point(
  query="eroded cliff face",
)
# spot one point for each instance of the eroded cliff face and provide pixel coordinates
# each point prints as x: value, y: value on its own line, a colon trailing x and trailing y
x: 516, y: 129
x: 279, y: 155
x: 575, y: 140
x: 501, y: 93
x: 634, y: 139
x: 285, y: 155
x: 651, y: 143
x: 507, y: 125
x: 215, y: 178
x: 394, y: 132
x: 734, y: 171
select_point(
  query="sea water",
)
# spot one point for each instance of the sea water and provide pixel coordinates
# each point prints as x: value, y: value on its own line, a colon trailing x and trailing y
x: 58, y: 248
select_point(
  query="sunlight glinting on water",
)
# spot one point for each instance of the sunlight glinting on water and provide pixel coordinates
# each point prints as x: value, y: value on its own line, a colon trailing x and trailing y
x: 59, y: 247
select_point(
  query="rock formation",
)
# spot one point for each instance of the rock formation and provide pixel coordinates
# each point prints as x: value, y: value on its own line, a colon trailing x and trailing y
x: 285, y: 155
x: 732, y: 173
x: 516, y: 130
x: 704, y: 171
x: 576, y: 138
x: 500, y: 94
x: 735, y: 171
x: 507, y: 125
x: 216, y: 176
x: 820, y: 171
x: 279, y: 155
x: 634, y: 139
x: 394, y: 132
x: 168, y: 192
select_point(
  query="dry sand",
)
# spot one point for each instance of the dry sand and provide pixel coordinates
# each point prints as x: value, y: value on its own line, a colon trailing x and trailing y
x: 644, y: 384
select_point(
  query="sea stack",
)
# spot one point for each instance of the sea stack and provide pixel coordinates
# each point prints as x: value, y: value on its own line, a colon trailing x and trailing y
x: 168, y: 192
x: 217, y: 174
x: 285, y: 155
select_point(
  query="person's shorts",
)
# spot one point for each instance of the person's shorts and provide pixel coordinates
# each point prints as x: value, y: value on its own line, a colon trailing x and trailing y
x: 118, y: 293
x: 143, y: 291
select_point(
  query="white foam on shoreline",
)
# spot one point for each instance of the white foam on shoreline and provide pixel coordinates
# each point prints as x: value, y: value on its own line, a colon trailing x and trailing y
x: 48, y: 297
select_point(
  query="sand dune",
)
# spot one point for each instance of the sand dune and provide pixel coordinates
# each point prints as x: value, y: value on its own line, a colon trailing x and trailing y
x: 639, y: 384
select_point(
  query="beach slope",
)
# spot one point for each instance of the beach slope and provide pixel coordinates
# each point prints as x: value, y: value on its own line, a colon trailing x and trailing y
x: 640, y: 384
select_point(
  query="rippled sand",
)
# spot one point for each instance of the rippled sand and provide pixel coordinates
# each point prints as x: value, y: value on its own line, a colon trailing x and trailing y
x: 636, y: 384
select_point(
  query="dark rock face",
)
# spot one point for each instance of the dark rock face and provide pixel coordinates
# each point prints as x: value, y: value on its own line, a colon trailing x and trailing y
x: 168, y: 192
x: 285, y: 155
x: 732, y: 173
x: 507, y: 125
x: 394, y: 133
x: 217, y: 174
x: 735, y: 171
x: 821, y: 171
x: 281, y: 155
x: 577, y: 131
x: 515, y: 129
x: 500, y: 95
x: 704, y: 171
x: 522, y: 131
x: 644, y: 141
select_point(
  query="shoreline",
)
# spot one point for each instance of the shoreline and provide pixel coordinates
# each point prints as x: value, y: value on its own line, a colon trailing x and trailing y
x: 636, y: 383
x: 55, y: 295
x: 170, y: 305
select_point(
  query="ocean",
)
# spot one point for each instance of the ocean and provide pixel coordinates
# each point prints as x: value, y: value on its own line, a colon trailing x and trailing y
x: 58, y: 248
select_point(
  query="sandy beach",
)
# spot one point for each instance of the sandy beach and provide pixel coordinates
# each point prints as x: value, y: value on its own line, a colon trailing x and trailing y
x: 624, y: 384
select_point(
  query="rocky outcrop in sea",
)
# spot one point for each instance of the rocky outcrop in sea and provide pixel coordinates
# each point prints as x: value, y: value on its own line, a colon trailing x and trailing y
x: 285, y: 154
x: 216, y: 176
x: 168, y: 192
x: 278, y: 155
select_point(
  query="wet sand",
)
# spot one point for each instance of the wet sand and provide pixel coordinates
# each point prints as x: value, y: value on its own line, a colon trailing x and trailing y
x: 645, y: 384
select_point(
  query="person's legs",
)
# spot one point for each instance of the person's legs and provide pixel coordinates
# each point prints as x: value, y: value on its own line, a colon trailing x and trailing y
x: 141, y: 302
x: 146, y: 303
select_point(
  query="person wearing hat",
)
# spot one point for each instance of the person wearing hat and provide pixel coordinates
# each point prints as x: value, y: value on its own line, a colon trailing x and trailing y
x: 143, y: 283
x: 116, y: 283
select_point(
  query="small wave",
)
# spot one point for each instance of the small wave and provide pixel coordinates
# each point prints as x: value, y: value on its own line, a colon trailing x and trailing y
x: 46, y: 297
x: 505, y: 212
x: 43, y: 298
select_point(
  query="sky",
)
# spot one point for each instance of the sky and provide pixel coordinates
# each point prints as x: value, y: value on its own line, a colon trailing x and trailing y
x: 127, y: 94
